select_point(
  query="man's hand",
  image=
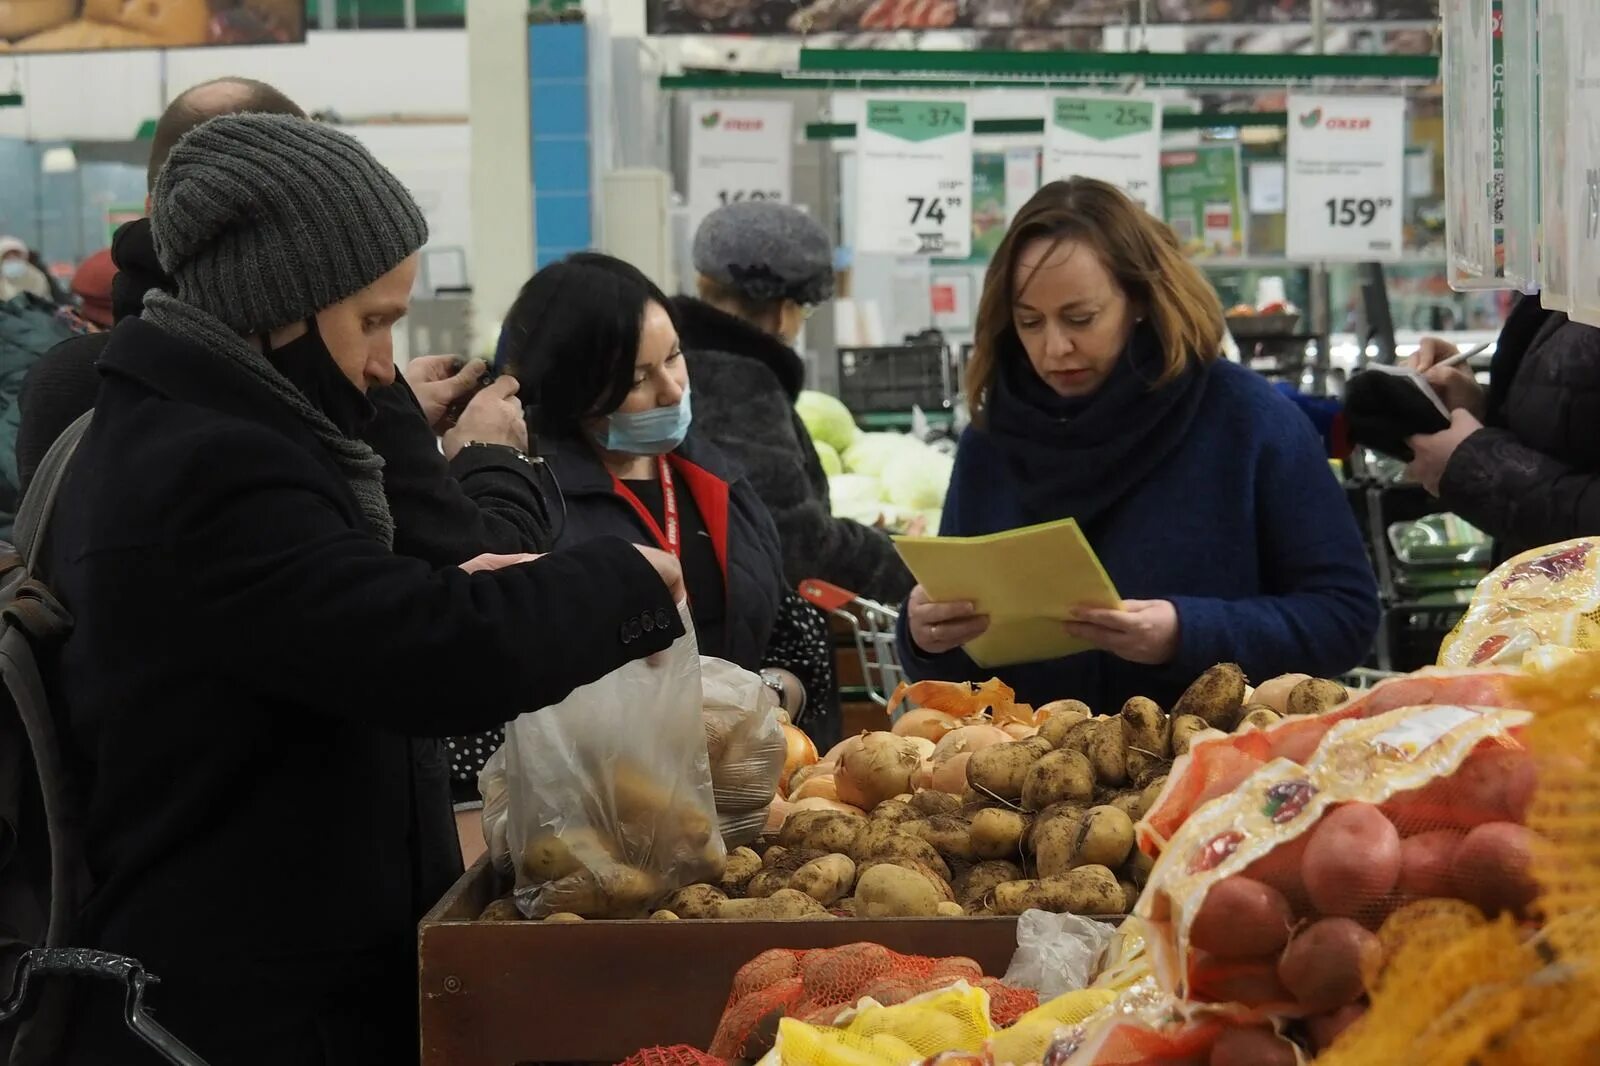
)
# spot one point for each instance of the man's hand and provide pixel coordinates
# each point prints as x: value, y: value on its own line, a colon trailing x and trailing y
x: 1433, y: 451
x: 1143, y: 632
x: 496, y: 562
x: 1457, y: 386
x: 493, y: 417
x: 438, y: 384
x: 667, y: 569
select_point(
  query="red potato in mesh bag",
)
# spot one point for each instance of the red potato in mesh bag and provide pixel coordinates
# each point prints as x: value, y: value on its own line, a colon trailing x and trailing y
x: 1323, y: 964
x: 1255, y: 1046
x: 1242, y: 919
x: 1325, y: 1028
x: 1495, y: 784
x: 1352, y: 862
x: 1493, y: 867
x: 1427, y: 863
x: 1253, y: 984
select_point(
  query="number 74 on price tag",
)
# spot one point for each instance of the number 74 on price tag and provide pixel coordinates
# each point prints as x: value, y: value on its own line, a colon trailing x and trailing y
x: 915, y: 179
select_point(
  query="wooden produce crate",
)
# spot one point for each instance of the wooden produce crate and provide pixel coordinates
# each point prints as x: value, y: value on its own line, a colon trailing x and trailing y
x: 507, y: 994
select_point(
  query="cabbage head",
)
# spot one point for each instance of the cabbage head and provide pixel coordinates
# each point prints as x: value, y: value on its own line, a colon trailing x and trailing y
x: 827, y: 419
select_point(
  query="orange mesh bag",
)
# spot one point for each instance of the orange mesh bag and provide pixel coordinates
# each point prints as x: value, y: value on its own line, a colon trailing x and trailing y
x: 676, y: 1055
x: 1270, y: 897
x: 1218, y: 763
x: 1545, y: 599
x: 818, y: 986
x: 1453, y: 988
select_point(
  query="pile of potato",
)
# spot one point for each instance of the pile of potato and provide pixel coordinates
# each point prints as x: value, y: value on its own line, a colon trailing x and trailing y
x: 1043, y: 817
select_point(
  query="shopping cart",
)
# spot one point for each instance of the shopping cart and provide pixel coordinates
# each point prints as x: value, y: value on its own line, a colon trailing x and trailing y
x: 72, y: 963
x: 871, y: 625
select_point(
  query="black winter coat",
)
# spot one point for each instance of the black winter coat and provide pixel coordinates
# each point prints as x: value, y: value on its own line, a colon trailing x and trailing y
x: 753, y: 572
x: 1531, y: 477
x: 247, y: 686
x: 745, y: 383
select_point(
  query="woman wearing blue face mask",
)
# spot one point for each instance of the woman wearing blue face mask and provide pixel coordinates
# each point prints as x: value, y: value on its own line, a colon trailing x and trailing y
x: 595, y: 349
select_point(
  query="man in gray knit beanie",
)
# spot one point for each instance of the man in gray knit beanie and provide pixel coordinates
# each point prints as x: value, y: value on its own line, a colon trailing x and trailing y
x: 292, y: 249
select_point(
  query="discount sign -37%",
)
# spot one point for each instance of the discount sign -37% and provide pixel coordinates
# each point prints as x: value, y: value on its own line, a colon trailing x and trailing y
x: 915, y: 179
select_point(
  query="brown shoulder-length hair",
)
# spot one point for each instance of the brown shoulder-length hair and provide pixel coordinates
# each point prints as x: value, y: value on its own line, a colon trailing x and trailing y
x: 1140, y: 251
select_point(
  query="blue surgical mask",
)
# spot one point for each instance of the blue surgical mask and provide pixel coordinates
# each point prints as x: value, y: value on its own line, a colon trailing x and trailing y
x: 14, y: 269
x: 653, y: 432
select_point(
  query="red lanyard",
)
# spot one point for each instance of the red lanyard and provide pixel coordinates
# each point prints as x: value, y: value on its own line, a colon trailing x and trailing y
x: 668, y: 538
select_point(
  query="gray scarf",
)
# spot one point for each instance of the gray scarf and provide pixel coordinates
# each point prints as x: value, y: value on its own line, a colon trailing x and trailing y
x: 363, y: 468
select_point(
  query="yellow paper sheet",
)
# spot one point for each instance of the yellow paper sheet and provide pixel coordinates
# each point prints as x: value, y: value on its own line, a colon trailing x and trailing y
x: 1026, y: 581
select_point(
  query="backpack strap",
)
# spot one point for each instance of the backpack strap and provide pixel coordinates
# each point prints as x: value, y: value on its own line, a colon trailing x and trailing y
x: 38, y: 503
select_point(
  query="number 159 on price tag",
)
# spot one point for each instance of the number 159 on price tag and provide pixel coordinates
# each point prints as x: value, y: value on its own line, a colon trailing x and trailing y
x: 915, y: 179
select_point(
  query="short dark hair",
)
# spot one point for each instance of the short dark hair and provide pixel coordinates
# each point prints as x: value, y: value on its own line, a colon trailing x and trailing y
x: 572, y: 338
x: 183, y: 115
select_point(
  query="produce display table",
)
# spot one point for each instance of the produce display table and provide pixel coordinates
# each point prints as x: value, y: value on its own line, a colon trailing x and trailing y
x: 504, y: 994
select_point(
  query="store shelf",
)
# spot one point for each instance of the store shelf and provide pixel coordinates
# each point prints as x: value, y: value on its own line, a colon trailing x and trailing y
x: 1171, y: 121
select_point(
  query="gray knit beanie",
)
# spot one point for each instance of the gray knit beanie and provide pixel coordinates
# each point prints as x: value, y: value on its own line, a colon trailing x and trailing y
x: 264, y: 220
x: 766, y: 251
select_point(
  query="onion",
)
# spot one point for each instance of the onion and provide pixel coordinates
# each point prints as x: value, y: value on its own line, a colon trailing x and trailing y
x: 832, y: 758
x: 969, y: 738
x: 806, y: 773
x: 1018, y: 731
x: 925, y: 722
x: 817, y: 803
x: 799, y: 752
x: 921, y: 745
x: 776, y: 814
x: 816, y: 785
x: 879, y: 768
x: 923, y: 778
x: 951, y: 775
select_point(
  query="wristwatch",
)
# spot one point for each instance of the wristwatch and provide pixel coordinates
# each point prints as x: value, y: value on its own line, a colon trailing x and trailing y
x: 774, y: 683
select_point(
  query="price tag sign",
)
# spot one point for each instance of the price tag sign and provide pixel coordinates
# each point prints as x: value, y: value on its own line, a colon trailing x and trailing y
x: 1583, y: 161
x: 738, y: 150
x: 1346, y: 177
x: 915, y: 179
x: 1116, y: 139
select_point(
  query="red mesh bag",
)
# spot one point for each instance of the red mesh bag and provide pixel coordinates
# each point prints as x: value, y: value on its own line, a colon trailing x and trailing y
x: 815, y: 986
x: 1216, y: 766
x: 676, y: 1055
x: 1271, y: 898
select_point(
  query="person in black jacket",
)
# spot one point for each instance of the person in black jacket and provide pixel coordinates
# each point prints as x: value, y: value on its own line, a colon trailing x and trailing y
x: 609, y: 405
x: 1522, y: 460
x: 252, y: 664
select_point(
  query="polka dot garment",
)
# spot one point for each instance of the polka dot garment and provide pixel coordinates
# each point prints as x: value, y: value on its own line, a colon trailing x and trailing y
x: 802, y: 645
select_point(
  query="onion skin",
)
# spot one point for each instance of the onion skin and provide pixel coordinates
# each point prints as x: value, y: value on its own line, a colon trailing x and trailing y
x: 799, y: 752
x: 816, y: 786
x: 969, y: 738
x: 951, y: 775
x: 806, y: 773
x: 776, y: 814
x: 925, y: 722
x: 1018, y: 731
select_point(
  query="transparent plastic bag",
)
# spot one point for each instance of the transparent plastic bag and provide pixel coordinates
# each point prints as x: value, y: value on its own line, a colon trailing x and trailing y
x: 609, y: 791
x: 745, y: 744
x: 1545, y: 598
x: 496, y: 809
x: 1057, y: 953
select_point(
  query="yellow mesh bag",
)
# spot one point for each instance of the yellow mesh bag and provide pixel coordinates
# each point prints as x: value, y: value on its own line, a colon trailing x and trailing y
x: 952, y: 1019
x: 800, y: 1044
x: 1031, y: 1037
x: 1455, y: 989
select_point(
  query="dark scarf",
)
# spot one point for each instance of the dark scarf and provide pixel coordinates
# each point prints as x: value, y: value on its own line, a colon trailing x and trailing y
x: 1076, y: 458
x: 703, y: 328
x: 362, y: 467
x: 133, y: 250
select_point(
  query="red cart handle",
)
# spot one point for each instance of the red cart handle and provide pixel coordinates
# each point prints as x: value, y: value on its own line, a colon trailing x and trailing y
x: 828, y: 597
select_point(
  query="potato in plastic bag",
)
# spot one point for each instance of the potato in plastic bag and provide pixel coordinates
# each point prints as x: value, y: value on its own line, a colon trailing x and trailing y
x: 745, y: 743
x: 609, y: 799
x: 496, y: 801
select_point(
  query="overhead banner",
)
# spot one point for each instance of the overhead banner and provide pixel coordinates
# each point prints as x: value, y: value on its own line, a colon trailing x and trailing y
x: 1346, y: 177
x: 1116, y: 139
x: 871, y: 16
x: 1583, y: 159
x: 914, y: 178
x: 43, y: 26
x: 738, y: 150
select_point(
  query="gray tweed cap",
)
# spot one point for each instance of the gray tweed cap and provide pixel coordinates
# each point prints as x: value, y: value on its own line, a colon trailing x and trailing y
x: 767, y: 251
x: 264, y: 220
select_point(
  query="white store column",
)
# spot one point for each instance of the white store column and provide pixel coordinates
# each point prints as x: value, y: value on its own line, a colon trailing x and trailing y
x: 502, y: 163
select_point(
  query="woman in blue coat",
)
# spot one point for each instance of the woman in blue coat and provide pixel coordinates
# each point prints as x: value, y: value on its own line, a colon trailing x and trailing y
x: 595, y: 349
x: 1098, y: 393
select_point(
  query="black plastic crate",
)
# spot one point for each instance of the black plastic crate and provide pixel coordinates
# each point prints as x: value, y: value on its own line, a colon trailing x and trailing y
x: 1414, y: 632
x: 898, y: 378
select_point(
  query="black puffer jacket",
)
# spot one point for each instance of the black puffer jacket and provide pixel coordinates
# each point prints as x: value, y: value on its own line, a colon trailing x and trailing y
x: 1531, y: 476
x: 745, y: 383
